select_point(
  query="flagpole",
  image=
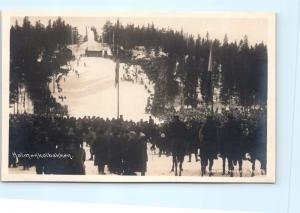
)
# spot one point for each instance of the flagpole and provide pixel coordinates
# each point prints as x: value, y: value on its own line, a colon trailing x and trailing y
x: 118, y: 96
x: 113, y: 40
x: 118, y: 87
x: 212, y: 93
x: 210, y: 70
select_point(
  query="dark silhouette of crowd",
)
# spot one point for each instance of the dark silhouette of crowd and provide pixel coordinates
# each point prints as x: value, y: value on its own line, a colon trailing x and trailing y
x: 121, y: 147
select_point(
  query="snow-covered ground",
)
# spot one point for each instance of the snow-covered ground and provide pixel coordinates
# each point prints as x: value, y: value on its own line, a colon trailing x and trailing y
x: 139, y: 52
x: 161, y: 166
x: 90, y: 89
x: 158, y: 166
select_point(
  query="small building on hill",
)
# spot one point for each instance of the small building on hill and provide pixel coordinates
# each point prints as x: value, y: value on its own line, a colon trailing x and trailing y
x: 98, y: 50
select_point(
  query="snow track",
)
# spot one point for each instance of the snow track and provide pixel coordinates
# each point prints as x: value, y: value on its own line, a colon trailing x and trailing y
x: 90, y: 90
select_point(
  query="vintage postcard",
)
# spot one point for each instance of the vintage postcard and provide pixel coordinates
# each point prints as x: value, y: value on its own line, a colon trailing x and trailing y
x: 138, y: 97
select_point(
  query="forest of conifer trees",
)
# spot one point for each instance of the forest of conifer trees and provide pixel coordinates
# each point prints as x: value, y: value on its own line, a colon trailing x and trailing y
x: 238, y: 69
x: 37, y: 53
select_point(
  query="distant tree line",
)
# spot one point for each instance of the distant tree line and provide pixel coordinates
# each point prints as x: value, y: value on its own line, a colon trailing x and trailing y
x: 238, y: 69
x: 37, y: 53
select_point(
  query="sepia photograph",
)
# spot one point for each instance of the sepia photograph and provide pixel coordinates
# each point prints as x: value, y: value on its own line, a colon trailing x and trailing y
x: 138, y: 97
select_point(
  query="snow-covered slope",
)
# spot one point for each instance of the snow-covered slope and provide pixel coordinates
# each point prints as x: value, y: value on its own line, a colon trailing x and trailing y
x: 90, y: 87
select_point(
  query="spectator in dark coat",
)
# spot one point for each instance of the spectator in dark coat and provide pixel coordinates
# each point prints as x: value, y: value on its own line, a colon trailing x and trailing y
x: 208, y: 146
x: 102, y: 149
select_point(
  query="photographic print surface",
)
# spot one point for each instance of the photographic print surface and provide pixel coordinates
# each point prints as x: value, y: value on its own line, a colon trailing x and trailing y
x: 138, y: 97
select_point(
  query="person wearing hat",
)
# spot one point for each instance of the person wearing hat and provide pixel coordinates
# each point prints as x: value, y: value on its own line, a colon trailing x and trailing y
x: 208, y: 145
x: 90, y: 139
x: 177, y: 133
x: 142, y: 156
x: 102, y: 149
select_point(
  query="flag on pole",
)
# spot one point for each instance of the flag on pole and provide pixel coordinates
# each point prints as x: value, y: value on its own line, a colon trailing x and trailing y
x: 210, y: 69
x: 210, y: 62
x: 113, y: 40
x: 117, y: 72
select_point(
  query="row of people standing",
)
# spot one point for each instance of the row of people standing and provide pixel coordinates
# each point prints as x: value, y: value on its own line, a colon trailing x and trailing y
x: 124, y: 153
x: 232, y: 136
x: 35, y: 138
x: 122, y: 145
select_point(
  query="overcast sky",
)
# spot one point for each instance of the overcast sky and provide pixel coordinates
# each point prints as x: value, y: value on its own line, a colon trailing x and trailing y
x: 235, y: 28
